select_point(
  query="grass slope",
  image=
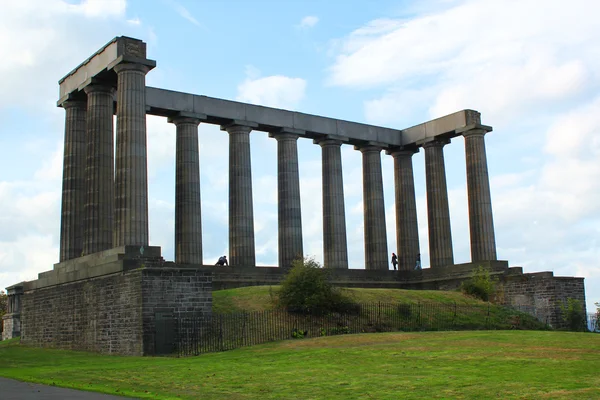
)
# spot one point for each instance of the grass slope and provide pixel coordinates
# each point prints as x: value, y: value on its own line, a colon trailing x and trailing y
x: 429, y: 365
x: 259, y: 298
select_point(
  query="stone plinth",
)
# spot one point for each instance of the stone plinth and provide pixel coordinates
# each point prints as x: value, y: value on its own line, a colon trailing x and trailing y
x: 113, y: 313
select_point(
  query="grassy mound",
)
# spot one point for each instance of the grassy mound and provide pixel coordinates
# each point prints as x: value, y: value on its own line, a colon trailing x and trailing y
x: 409, y: 310
x: 260, y: 298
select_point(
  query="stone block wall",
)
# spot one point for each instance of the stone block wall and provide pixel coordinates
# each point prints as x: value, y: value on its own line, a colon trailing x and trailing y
x: 541, y: 294
x: 173, y: 291
x: 112, y: 314
x: 102, y: 314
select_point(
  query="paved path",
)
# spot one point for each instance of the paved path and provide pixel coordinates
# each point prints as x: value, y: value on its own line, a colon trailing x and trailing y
x: 16, y: 390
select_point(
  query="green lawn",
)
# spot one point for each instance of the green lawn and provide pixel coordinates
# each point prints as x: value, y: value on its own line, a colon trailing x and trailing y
x: 429, y: 365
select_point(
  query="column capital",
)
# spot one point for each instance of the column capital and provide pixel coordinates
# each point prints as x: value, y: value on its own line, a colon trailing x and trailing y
x: 402, y: 151
x: 99, y: 88
x: 239, y: 126
x: 370, y: 147
x: 287, y: 134
x: 474, y: 130
x: 434, y: 142
x: 284, y: 136
x: 187, y: 118
x: 132, y: 66
x: 73, y: 104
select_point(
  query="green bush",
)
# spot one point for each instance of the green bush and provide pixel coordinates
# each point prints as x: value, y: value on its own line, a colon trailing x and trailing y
x: 481, y: 285
x: 573, y: 315
x: 3, y: 304
x: 308, y: 289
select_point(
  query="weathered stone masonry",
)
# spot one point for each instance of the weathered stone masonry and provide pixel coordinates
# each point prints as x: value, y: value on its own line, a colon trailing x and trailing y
x: 114, y: 313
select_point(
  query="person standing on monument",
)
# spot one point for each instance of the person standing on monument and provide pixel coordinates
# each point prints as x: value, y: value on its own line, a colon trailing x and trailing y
x: 394, y: 260
x: 418, y: 263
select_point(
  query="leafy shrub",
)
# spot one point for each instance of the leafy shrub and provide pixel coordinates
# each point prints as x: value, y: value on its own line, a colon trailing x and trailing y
x: 3, y: 304
x: 298, y: 334
x: 481, y: 285
x: 573, y: 315
x: 340, y: 330
x: 307, y: 289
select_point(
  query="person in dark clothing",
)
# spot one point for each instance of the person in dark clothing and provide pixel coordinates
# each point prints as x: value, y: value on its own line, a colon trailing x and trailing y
x: 394, y: 260
x: 222, y: 261
x: 418, y: 264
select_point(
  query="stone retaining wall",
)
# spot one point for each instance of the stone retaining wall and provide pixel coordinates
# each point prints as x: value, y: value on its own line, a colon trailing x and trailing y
x: 113, y: 313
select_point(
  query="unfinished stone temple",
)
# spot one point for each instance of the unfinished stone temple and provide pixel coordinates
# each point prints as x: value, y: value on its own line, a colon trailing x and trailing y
x: 109, y: 284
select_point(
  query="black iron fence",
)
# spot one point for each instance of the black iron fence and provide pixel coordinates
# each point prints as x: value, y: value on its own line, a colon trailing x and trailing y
x: 196, y: 334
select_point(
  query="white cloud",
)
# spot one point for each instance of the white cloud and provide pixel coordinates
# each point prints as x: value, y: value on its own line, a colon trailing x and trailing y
x: 272, y: 91
x: 184, y: 13
x: 134, y: 21
x: 308, y: 22
x: 101, y: 8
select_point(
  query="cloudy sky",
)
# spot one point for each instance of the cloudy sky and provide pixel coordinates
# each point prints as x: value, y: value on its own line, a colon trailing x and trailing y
x: 531, y: 68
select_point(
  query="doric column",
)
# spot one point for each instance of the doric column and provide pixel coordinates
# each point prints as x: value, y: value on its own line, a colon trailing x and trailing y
x: 73, y: 184
x: 376, y: 256
x: 188, y: 215
x: 131, y: 178
x: 481, y: 223
x: 99, y: 170
x: 288, y: 199
x: 241, y: 213
x: 438, y: 211
x: 407, y: 228
x: 335, y: 243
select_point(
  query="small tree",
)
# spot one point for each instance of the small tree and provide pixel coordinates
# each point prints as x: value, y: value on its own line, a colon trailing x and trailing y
x: 308, y: 289
x: 3, y: 304
x: 573, y: 315
x: 481, y: 284
x: 596, y: 327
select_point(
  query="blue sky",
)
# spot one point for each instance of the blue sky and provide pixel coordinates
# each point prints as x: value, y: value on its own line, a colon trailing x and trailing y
x: 533, y: 73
